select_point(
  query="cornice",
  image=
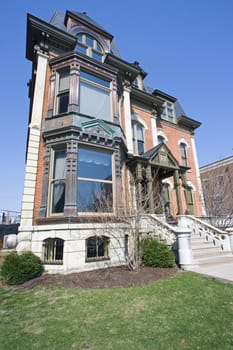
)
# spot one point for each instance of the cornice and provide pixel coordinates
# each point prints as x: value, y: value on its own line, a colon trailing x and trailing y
x: 188, y: 122
x: 129, y: 69
x: 40, y: 33
x: 163, y: 95
x: 142, y: 96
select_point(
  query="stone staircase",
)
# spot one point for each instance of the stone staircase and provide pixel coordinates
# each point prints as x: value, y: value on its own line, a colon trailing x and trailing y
x: 210, y: 247
x: 206, y: 252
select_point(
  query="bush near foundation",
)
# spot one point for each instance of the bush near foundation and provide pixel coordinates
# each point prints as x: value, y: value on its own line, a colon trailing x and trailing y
x: 19, y: 268
x: 157, y: 254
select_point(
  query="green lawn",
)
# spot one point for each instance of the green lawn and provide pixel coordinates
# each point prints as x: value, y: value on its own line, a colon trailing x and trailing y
x: 184, y: 312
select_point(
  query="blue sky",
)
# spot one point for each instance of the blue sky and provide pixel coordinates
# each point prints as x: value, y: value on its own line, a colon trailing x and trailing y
x: 185, y: 46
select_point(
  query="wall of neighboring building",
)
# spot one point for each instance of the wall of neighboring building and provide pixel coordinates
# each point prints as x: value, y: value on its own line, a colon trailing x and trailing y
x: 217, y: 183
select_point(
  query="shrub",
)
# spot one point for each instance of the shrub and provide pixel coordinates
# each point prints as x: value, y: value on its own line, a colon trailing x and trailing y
x: 19, y: 268
x: 157, y: 254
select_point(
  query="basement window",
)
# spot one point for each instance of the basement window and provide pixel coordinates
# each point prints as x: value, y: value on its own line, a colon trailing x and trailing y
x: 53, y: 251
x: 97, y: 248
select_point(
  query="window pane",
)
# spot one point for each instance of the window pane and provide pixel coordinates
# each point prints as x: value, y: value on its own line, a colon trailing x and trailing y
x: 97, y: 247
x: 53, y: 250
x: 94, y: 196
x: 94, y: 101
x: 139, y: 133
x: 95, y: 79
x: 79, y: 37
x: 140, y: 147
x: 89, y: 41
x: 59, y: 164
x: 98, y: 47
x: 64, y: 82
x: 58, y: 197
x: 97, y: 56
x: 91, y: 247
x: 101, y: 247
x: 82, y: 49
x: 94, y: 164
x: 63, y: 102
x: 58, y: 185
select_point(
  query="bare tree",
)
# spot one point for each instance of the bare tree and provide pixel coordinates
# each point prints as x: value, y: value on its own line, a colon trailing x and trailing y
x: 140, y: 199
x: 217, y: 186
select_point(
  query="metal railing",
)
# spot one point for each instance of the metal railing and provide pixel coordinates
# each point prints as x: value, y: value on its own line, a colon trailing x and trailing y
x: 8, y: 217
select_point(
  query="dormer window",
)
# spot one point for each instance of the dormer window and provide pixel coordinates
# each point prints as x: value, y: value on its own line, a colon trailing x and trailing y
x: 168, y: 112
x: 89, y: 46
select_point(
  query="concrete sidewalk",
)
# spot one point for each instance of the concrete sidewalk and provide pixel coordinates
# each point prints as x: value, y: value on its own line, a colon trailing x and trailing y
x: 222, y: 271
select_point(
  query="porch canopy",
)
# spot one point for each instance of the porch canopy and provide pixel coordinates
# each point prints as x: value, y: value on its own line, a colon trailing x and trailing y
x: 155, y: 165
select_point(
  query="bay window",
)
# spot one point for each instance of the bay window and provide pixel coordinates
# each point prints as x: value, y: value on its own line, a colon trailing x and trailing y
x: 94, y: 183
x: 94, y: 96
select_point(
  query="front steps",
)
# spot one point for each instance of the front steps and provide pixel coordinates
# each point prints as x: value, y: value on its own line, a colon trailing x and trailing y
x: 206, y: 253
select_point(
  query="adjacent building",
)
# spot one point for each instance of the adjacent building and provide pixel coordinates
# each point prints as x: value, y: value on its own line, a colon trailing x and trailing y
x: 217, y: 184
x: 100, y: 142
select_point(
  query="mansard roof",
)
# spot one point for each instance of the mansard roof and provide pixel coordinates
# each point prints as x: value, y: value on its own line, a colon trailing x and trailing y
x: 59, y: 20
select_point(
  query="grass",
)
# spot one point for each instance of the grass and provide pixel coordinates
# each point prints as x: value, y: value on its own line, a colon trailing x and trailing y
x: 184, y: 312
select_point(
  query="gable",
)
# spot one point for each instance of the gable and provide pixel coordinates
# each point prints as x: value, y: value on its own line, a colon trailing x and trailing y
x: 161, y: 156
x: 98, y: 127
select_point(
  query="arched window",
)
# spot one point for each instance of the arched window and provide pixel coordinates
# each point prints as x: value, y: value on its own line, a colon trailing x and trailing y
x: 138, y: 138
x: 89, y: 46
x: 53, y: 251
x: 183, y: 152
x: 97, y: 248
